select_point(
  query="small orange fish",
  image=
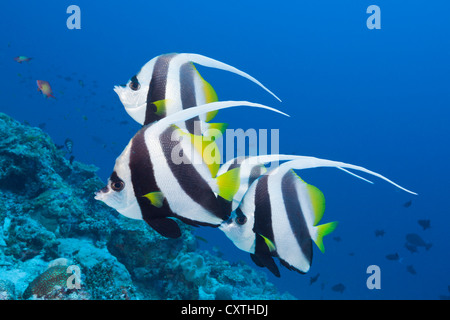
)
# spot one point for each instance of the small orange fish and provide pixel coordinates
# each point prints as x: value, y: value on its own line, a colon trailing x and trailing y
x: 45, y: 88
x: 21, y: 59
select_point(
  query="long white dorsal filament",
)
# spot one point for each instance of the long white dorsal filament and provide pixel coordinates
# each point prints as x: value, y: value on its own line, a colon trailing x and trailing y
x: 212, y: 63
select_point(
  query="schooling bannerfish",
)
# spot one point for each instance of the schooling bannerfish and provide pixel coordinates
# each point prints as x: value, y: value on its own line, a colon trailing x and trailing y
x: 170, y: 83
x: 161, y: 175
x: 279, y: 214
x: 21, y: 59
x: 45, y: 88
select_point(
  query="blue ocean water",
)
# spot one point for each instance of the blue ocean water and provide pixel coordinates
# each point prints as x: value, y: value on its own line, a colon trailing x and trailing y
x: 377, y: 98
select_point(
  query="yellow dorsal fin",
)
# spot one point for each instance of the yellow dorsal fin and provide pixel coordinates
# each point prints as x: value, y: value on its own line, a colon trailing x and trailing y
x: 156, y: 198
x: 229, y: 183
x: 317, y: 201
x: 210, y: 96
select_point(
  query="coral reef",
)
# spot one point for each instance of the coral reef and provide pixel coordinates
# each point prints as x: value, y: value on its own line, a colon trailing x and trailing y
x: 51, y: 228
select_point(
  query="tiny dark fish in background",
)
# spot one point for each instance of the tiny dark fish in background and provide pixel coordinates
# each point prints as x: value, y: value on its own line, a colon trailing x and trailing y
x: 393, y: 256
x: 338, y: 288
x: 72, y: 157
x: 379, y: 233
x: 425, y: 224
x: 42, y: 125
x: 201, y: 239
x: 69, y: 145
x: 337, y: 239
x: 407, y: 204
x: 410, y: 247
x: 81, y: 83
x: 313, y: 279
x: 411, y: 269
x: 416, y: 240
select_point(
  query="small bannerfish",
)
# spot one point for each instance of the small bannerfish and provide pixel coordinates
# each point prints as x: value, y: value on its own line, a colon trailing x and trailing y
x: 21, y: 59
x: 162, y: 175
x: 279, y: 215
x: 170, y: 83
x: 45, y: 88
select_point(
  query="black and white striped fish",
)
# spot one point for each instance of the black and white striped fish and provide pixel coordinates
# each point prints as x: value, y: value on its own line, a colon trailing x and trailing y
x: 279, y: 215
x: 170, y: 83
x: 162, y: 175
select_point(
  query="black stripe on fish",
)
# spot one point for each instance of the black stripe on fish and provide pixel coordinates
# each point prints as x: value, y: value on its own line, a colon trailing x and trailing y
x: 143, y: 180
x: 157, y: 87
x: 295, y: 216
x: 190, y: 180
x: 263, y: 214
x: 187, y: 92
x: 255, y: 173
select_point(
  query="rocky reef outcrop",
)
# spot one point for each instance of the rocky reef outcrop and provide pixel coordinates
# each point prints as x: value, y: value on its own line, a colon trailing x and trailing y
x: 57, y: 242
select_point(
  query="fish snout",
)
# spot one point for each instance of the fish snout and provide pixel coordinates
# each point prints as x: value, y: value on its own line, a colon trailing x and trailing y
x: 99, y: 194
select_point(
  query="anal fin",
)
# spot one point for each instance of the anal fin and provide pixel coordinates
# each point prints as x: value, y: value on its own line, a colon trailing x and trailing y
x: 165, y: 227
x: 266, y: 261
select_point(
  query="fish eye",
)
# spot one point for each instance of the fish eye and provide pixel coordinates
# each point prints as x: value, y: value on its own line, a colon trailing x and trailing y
x: 134, y: 84
x: 117, y: 185
x: 240, y: 217
x: 241, y: 220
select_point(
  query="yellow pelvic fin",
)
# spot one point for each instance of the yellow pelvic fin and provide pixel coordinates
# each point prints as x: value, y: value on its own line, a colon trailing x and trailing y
x: 322, y: 231
x: 156, y: 198
x: 269, y: 243
x: 229, y: 183
x: 160, y: 107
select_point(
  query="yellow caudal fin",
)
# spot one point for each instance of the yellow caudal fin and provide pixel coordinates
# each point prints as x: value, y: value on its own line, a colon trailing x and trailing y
x: 323, y: 230
x: 228, y: 183
x: 156, y: 198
